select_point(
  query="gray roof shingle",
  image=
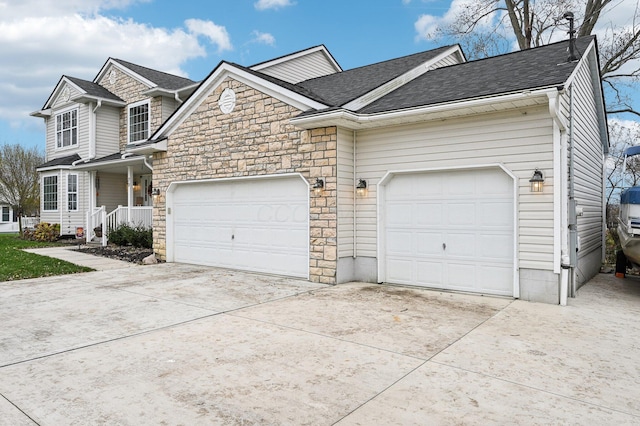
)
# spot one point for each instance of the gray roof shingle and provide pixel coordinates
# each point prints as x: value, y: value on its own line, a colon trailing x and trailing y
x: 93, y: 89
x: 62, y: 161
x: 162, y: 79
x: 339, y: 88
x: 535, y: 68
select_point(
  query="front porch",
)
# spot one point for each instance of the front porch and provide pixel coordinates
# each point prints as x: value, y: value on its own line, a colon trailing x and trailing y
x: 100, y: 222
x: 120, y: 194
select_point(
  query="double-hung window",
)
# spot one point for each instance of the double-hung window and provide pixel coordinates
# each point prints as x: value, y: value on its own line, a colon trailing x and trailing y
x: 72, y: 192
x: 5, y: 214
x: 50, y: 193
x: 67, y: 128
x: 139, y: 122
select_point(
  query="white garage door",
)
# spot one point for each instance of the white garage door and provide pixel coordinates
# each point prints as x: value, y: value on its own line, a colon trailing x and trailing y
x: 256, y: 225
x: 451, y: 230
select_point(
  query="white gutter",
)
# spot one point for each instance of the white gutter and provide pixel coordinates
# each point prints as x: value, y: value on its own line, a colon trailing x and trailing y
x: 360, y: 120
x: 146, y: 163
x: 93, y: 142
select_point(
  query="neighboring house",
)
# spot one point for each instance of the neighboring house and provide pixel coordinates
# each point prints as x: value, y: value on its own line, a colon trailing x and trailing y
x: 8, y: 219
x: 411, y: 171
x: 88, y: 125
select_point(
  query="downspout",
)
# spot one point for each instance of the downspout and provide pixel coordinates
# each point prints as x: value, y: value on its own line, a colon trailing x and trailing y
x: 355, y: 239
x: 144, y: 159
x: 560, y: 199
x: 572, y: 217
x: 94, y: 131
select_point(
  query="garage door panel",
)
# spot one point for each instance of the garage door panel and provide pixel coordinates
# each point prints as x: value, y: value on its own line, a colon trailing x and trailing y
x: 429, y: 243
x: 460, y: 214
x: 428, y: 214
x: 258, y: 225
x: 429, y: 274
x: 470, y: 211
x: 400, y: 270
x: 495, y: 246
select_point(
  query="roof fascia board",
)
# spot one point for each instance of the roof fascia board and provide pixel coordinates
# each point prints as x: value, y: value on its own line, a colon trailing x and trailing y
x: 215, y: 79
x: 300, y: 54
x: 354, y: 120
x: 50, y: 168
x: 58, y: 88
x: 82, y: 99
x: 125, y: 70
x: 159, y: 91
x: 41, y: 113
x: 399, y: 81
x: 160, y: 146
x: 120, y: 161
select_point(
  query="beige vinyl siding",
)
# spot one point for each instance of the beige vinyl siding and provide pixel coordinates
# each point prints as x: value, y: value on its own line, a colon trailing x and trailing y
x: 169, y: 105
x: 113, y: 190
x: 445, y: 62
x: 82, y: 148
x: 520, y: 140
x: 302, y: 68
x: 345, y: 193
x: 107, y: 131
x: 70, y: 220
x: 588, y: 161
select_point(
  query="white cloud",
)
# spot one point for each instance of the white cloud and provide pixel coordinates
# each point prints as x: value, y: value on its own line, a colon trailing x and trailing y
x: 272, y: 4
x: 426, y: 25
x: 215, y: 33
x: 263, y: 38
x: 40, y: 40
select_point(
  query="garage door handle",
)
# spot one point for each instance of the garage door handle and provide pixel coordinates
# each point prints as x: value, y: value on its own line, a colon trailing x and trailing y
x: 233, y: 236
x: 444, y: 246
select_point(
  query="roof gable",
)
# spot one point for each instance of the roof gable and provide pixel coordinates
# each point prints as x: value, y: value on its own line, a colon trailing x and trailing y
x: 278, y: 89
x: 147, y: 76
x: 536, y: 68
x: 341, y: 88
x: 299, y: 66
x: 82, y: 91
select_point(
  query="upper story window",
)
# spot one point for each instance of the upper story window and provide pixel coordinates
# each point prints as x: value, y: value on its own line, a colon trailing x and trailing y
x: 50, y: 193
x: 67, y: 128
x: 139, y: 121
x: 72, y: 192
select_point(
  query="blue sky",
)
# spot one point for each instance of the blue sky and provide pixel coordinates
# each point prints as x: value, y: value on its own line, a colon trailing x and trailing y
x: 42, y: 39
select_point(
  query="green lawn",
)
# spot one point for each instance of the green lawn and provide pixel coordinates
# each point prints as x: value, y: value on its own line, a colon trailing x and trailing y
x: 16, y: 264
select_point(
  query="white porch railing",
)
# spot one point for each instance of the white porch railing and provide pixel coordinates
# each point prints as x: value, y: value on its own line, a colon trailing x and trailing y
x: 96, y: 220
x: 140, y: 216
x: 132, y: 216
x: 29, y: 222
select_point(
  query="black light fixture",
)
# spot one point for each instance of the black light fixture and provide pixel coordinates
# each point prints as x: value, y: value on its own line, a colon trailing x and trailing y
x: 537, y: 181
x: 361, y: 187
x: 318, y: 186
x: 155, y: 192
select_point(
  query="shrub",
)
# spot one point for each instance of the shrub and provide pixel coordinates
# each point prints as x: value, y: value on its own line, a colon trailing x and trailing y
x: 44, y: 232
x: 125, y: 235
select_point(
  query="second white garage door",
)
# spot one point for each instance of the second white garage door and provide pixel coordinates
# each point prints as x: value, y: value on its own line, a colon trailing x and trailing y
x: 452, y: 230
x: 258, y: 225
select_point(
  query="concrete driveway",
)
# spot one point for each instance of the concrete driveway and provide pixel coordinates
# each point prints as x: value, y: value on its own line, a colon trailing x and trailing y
x: 187, y: 345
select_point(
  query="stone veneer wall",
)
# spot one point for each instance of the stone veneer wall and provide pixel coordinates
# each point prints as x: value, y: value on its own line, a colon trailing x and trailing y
x: 254, y: 139
x: 131, y: 90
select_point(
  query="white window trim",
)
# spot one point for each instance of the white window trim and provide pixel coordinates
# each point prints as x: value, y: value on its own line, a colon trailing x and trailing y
x: 57, y: 193
x: 131, y: 106
x: 2, y: 214
x: 77, y: 192
x: 55, y: 128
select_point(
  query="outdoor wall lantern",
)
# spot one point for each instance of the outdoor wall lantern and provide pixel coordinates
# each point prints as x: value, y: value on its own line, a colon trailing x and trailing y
x: 361, y: 187
x: 155, y: 192
x: 536, y: 181
x: 318, y: 186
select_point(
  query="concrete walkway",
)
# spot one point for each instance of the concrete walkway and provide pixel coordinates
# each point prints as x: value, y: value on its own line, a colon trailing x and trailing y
x: 69, y: 254
x: 178, y: 344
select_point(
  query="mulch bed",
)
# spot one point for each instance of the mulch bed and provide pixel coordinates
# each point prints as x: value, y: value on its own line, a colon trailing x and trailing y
x: 127, y: 254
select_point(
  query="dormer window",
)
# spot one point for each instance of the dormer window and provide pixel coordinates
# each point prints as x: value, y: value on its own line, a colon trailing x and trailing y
x: 139, y: 122
x: 67, y: 128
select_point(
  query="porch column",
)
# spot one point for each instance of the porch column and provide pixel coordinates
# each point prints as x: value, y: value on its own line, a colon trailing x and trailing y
x: 93, y: 201
x: 129, y: 192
